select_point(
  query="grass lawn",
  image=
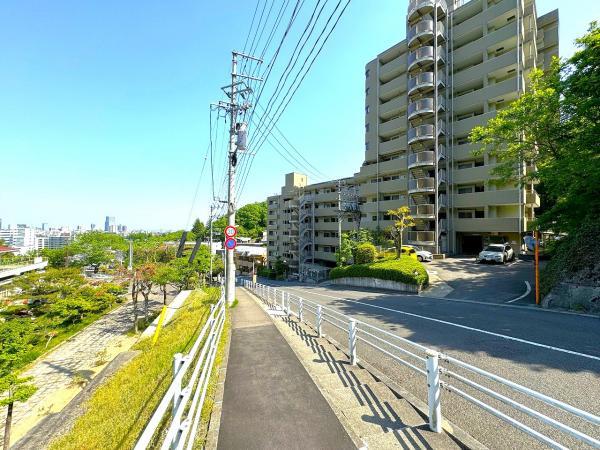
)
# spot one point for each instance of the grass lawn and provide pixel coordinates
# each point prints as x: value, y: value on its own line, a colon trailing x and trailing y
x: 405, y: 270
x: 117, y: 412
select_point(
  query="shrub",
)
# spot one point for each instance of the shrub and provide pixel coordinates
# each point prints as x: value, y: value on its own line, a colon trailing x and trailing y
x: 404, y: 270
x: 365, y: 253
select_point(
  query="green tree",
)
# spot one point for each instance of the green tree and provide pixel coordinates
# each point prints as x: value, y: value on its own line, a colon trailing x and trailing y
x: 165, y: 275
x: 350, y: 240
x: 251, y: 220
x: 403, y: 220
x: 199, y: 230
x: 365, y: 253
x: 552, y: 130
x: 15, y: 343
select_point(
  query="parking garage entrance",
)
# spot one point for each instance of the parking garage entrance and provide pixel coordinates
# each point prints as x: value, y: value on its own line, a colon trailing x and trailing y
x: 470, y: 244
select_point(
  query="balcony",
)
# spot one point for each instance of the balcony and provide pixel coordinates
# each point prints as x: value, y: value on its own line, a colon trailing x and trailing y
x: 494, y: 224
x: 426, y: 158
x: 425, y: 211
x: 392, y: 127
x: 424, y: 56
x: 425, y: 106
x: 423, y: 32
x: 424, y: 82
x: 418, y: 8
x: 532, y: 199
x: 425, y: 132
x: 393, y: 107
x: 393, y: 88
x: 488, y: 198
x: 393, y: 145
x: 421, y: 185
x: 421, y: 237
x: 393, y: 68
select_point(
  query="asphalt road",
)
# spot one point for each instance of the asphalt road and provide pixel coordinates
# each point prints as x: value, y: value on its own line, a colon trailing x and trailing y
x: 494, y: 283
x: 554, y: 353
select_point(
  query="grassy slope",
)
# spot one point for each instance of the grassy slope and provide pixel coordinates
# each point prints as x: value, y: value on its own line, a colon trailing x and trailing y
x: 119, y: 409
x: 405, y: 270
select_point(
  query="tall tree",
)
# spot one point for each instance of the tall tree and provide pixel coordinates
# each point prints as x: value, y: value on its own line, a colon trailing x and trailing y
x: 15, y: 343
x: 403, y: 220
x: 199, y: 230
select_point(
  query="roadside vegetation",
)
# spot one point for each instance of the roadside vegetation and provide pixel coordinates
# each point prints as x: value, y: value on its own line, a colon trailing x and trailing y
x: 553, y: 130
x: 117, y: 412
x: 404, y: 270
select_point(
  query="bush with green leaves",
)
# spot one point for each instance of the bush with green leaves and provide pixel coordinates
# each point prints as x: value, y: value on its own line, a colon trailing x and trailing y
x: 403, y: 270
x: 365, y: 253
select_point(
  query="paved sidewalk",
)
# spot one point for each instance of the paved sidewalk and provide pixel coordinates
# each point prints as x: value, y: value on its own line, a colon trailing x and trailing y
x: 79, y: 358
x: 270, y: 401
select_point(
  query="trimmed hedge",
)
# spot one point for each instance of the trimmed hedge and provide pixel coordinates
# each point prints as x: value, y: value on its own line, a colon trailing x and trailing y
x: 365, y: 253
x: 405, y: 270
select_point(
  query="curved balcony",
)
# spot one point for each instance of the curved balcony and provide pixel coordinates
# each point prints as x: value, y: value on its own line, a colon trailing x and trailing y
x: 425, y: 107
x: 421, y: 237
x: 424, y: 82
x: 426, y: 158
x: 424, y: 31
x: 421, y: 185
x: 425, y: 211
x: 418, y: 8
x: 424, y: 57
x: 419, y: 133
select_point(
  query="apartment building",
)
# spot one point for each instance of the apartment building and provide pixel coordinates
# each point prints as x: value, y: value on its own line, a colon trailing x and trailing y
x: 460, y: 63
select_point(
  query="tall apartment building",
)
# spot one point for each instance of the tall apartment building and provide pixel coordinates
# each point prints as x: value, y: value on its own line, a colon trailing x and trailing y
x: 460, y: 63
x: 110, y: 224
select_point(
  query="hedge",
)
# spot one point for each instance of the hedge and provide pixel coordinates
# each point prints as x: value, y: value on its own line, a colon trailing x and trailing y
x: 405, y: 270
x: 365, y: 253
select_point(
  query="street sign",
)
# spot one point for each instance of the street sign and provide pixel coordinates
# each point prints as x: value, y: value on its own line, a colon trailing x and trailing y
x: 230, y: 243
x: 230, y: 231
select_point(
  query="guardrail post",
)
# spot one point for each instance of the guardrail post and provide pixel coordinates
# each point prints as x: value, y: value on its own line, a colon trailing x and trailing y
x: 319, y: 320
x: 300, y: 311
x: 352, y: 341
x: 177, y: 362
x: 286, y: 303
x: 434, y: 391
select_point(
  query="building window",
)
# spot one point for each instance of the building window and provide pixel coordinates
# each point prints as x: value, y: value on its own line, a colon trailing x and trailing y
x: 367, y: 91
x: 367, y: 109
x: 366, y: 128
x: 367, y: 72
x: 366, y: 146
x: 479, y: 214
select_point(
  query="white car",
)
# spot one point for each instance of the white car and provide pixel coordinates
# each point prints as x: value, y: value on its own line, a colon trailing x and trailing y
x: 422, y: 255
x: 499, y: 253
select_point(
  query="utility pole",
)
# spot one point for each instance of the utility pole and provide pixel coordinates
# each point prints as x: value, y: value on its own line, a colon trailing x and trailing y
x: 210, y: 223
x: 237, y: 142
x: 130, y: 265
x: 339, y: 192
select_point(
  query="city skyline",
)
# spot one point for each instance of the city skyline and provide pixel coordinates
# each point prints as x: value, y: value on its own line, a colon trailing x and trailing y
x: 149, y: 117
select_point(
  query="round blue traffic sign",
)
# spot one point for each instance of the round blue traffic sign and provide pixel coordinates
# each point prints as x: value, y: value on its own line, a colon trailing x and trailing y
x: 230, y: 243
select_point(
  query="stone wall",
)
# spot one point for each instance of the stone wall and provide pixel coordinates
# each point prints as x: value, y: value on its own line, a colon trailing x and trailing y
x: 376, y: 283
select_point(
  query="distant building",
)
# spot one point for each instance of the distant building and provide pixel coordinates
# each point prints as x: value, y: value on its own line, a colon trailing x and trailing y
x: 92, y: 226
x: 109, y: 224
x: 44, y: 226
x: 22, y: 237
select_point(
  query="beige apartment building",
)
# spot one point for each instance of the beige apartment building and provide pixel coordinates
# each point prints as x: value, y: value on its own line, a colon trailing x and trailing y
x: 462, y: 61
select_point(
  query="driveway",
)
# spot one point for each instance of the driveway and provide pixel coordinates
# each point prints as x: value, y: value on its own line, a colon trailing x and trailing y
x: 495, y: 283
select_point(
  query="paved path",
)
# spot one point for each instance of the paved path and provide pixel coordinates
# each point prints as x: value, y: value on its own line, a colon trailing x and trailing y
x: 76, y: 358
x: 270, y: 401
x: 554, y: 353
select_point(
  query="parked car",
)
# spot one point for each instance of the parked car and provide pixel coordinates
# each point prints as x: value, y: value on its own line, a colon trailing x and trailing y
x: 409, y: 251
x: 422, y: 255
x: 499, y: 253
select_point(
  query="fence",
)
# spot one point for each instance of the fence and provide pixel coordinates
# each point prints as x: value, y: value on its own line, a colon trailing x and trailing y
x: 427, y: 363
x: 185, y: 402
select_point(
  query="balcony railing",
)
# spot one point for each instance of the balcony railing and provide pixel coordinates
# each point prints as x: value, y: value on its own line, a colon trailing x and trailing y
x: 424, y: 80
x: 426, y: 184
x: 421, y: 237
x: 424, y: 54
x: 425, y: 211
x: 425, y: 106
x: 426, y: 158
x: 425, y: 28
x: 425, y: 131
x: 424, y: 6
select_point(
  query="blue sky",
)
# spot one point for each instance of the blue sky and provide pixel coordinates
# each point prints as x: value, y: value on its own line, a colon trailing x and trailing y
x: 104, y: 105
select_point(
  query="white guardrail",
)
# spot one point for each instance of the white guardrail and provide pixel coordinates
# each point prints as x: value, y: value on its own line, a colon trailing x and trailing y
x: 426, y: 362
x: 185, y: 403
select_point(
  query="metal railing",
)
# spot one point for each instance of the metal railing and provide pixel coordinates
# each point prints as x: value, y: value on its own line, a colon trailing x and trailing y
x: 186, y: 402
x: 427, y: 362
